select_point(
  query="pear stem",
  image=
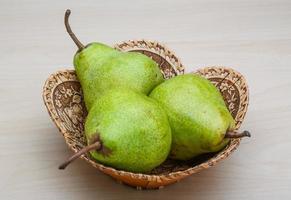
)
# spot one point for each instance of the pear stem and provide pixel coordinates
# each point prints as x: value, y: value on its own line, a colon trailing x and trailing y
x: 95, y: 146
x: 232, y: 134
x: 69, y: 30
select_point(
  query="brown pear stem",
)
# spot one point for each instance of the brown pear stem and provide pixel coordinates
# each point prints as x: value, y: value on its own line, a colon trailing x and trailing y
x: 94, y: 146
x: 232, y: 134
x: 69, y: 30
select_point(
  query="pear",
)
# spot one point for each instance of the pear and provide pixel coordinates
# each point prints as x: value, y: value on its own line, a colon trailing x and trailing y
x: 100, y: 67
x: 198, y: 116
x: 126, y: 130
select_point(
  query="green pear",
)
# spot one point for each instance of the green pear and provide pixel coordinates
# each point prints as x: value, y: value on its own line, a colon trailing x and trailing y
x: 198, y: 116
x: 100, y: 67
x: 128, y: 131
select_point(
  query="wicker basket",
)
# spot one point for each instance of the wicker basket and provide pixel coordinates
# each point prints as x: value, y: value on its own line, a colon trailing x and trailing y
x: 62, y: 96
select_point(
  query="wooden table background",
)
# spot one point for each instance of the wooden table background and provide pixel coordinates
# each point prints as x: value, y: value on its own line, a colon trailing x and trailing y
x: 252, y: 36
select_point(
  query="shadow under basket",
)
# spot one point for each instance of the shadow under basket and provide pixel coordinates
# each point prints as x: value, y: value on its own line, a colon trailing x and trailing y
x: 63, y: 98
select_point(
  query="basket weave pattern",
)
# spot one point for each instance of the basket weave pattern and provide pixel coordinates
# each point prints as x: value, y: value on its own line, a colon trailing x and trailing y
x: 63, y: 98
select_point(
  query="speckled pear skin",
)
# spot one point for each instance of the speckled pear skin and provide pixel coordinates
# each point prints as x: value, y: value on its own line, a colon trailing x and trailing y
x: 197, y: 114
x: 133, y: 129
x: 100, y: 68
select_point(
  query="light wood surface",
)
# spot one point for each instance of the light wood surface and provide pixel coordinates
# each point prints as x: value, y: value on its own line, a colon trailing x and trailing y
x: 252, y: 36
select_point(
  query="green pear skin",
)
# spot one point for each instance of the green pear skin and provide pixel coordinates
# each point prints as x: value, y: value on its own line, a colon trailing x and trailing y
x: 100, y: 68
x: 133, y: 129
x: 198, y: 116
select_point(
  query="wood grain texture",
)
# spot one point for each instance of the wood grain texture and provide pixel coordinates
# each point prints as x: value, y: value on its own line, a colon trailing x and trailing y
x: 252, y: 36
